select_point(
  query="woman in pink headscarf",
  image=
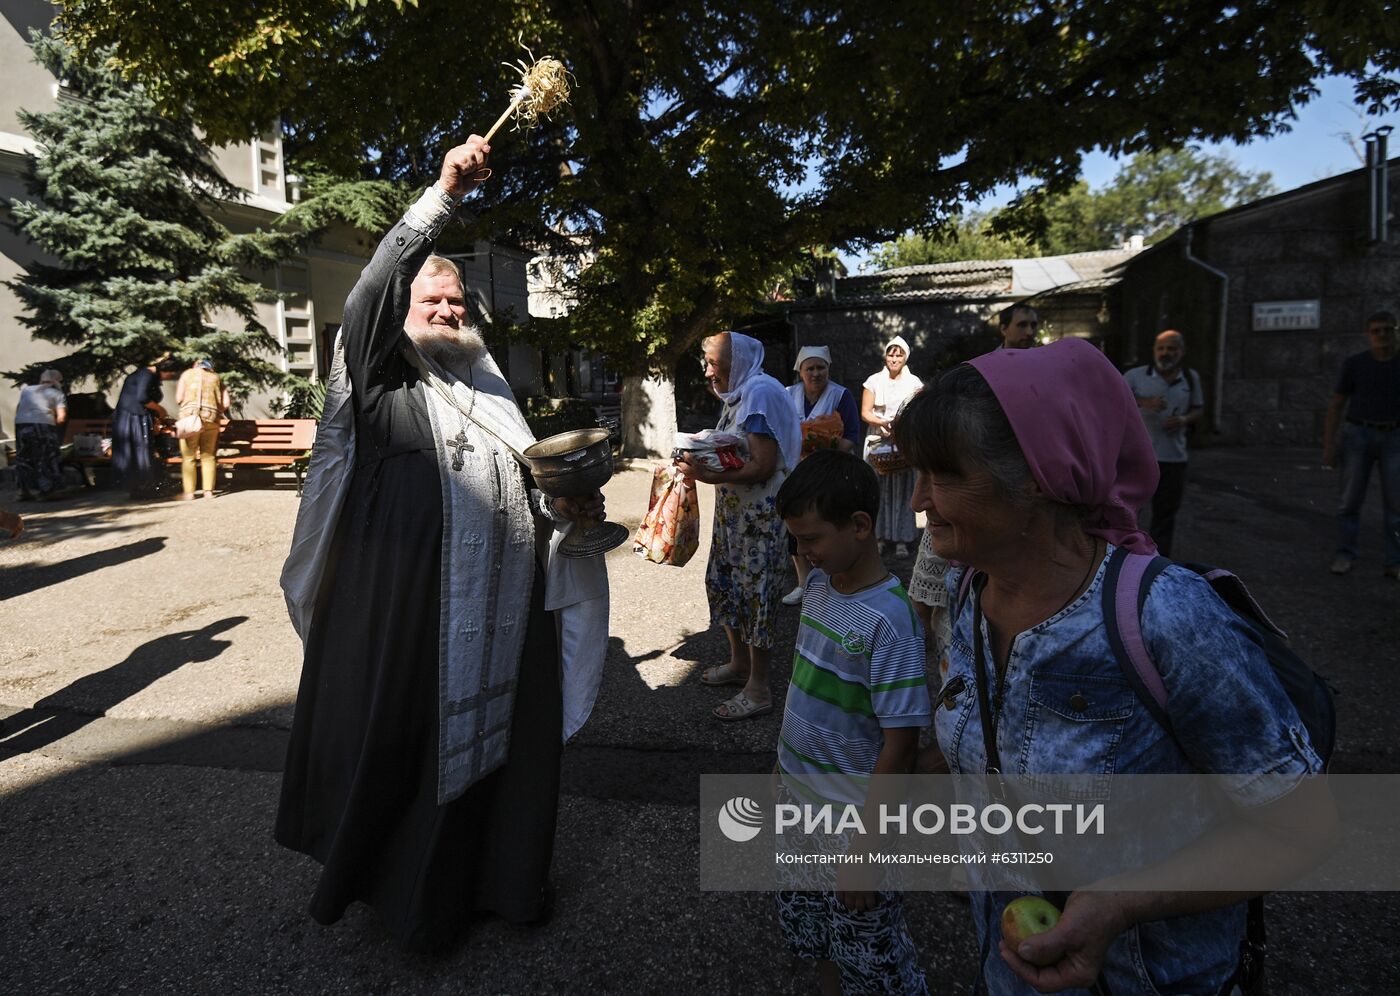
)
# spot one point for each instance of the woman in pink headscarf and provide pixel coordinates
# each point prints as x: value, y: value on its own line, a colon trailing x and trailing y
x: 1031, y: 465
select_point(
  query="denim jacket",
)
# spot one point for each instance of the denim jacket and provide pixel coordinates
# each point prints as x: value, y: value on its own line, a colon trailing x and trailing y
x: 1229, y: 713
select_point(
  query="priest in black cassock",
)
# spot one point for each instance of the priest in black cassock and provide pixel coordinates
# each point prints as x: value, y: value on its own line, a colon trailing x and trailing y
x: 423, y: 767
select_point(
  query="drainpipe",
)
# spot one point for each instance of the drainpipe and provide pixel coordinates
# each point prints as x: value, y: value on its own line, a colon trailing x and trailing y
x: 1376, y: 166
x: 1217, y: 401
x: 1382, y: 184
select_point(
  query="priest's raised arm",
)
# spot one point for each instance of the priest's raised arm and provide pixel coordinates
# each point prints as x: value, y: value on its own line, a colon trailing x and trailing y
x: 375, y: 311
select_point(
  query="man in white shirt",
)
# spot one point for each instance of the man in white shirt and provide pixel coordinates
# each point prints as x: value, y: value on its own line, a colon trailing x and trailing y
x: 1169, y: 397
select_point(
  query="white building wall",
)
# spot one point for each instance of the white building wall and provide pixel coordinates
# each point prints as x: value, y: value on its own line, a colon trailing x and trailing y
x: 27, y: 85
x: 17, y: 347
x: 235, y: 162
x: 316, y: 284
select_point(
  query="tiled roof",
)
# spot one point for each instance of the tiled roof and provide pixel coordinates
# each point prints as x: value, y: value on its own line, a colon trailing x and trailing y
x: 972, y: 295
x: 985, y: 280
x: 1096, y: 284
x: 1083, y: 263
x: 958, y: 266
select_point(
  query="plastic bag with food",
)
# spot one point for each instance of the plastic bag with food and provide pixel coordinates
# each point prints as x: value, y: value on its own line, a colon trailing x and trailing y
x: 712, y: 449
x: 822, y: 433
x: 670, y: 532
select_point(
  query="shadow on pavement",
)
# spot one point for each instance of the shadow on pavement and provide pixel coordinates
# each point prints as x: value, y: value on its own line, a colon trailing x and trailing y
x: 166, y: 877
x: 76, y: 705
x: 82, y: 513
x: 650, y: 745
x: 24, y: 578
x: 160, y: 870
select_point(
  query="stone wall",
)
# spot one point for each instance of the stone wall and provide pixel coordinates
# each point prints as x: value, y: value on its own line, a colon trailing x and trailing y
x: 1309, y: 245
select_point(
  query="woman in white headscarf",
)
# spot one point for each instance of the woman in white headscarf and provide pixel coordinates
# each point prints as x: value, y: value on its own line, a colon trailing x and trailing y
x: 745, y: 574
x: 815, y: 396
x: 885, y: 393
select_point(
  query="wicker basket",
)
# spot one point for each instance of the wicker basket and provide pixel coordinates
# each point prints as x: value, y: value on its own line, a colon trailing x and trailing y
x: 886, y: 459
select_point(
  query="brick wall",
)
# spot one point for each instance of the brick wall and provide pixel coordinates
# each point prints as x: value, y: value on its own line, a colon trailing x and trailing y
x: 1310, y: 245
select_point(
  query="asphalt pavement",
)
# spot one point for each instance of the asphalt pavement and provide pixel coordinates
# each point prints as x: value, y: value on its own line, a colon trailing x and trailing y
x: 148, y: 672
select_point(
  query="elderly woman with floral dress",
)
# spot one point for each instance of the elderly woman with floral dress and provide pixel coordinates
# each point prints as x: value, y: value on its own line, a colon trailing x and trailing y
x: 745, y: 574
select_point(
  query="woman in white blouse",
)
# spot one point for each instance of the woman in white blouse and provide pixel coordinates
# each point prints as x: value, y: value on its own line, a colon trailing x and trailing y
x: 885, y: 393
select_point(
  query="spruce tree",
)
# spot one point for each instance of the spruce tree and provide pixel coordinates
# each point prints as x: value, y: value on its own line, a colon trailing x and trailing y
x: 123, y: 201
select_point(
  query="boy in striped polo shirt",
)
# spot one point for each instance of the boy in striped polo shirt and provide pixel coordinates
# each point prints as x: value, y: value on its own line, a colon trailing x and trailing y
x: 857, y: 701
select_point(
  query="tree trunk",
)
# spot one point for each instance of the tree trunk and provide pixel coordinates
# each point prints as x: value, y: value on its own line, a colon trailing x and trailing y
x: 648, y: 416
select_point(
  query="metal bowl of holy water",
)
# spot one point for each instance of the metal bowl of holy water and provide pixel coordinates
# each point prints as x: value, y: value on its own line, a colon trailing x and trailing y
x: 574, y: 465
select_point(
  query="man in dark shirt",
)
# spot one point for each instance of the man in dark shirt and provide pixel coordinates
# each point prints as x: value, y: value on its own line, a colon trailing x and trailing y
x: 1019, y: 325
x: 1368, y: 390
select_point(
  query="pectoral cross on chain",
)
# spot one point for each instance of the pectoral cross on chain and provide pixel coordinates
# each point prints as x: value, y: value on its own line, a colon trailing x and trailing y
x: 459, y: 443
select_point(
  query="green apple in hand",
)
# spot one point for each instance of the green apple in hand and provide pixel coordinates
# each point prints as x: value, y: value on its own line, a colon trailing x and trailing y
x: 1025, y: 917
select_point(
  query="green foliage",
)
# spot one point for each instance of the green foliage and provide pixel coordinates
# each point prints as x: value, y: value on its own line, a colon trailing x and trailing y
x: 1076, y: 220
x: 795, y: 279
x: 970, y: 238
x: 1158, y: 192
x: 122, y: 200
x: 305, y: 398
x: 1152, y: 195
x: 369, y: 205
x: 709, y: 141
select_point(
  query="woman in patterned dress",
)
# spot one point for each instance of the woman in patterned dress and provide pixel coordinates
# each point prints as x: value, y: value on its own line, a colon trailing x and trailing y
x: 746, y: 571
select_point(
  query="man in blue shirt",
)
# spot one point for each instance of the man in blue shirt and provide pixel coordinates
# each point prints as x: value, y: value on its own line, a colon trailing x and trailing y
x: 1368, y: 390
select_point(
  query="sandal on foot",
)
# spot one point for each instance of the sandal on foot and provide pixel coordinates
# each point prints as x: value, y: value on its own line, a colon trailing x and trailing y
x: 723, y: 674
x: 740, y: 707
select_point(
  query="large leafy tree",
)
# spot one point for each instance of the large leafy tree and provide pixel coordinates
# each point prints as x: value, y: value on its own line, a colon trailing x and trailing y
x: 968, y: 237
x: 710, y: 141
x: 1152, y: 195
x: 123, y: 202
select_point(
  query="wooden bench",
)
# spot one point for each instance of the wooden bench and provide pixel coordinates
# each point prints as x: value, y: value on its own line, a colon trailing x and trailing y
x: 266, y: 442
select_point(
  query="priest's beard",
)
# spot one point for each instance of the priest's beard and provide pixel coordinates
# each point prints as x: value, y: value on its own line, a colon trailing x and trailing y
x: 449, y: 348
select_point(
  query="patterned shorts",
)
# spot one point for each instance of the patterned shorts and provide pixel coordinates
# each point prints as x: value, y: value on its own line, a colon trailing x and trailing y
x: 872, y: 948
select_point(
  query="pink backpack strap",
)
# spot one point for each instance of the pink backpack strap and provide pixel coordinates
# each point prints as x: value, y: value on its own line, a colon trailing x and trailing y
x: 964, y: 588
x: 1125, y: 586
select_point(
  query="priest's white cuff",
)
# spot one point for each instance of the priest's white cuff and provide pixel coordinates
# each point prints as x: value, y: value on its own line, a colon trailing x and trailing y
x: 430, y: 213
x: 545, y: 506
